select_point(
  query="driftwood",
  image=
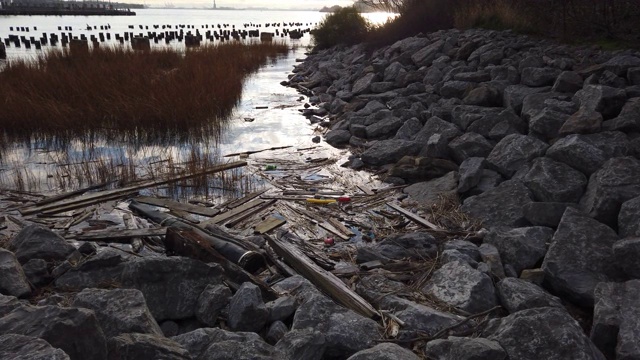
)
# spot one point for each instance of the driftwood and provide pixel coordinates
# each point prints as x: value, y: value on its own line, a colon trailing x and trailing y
x: 67, y: 195
x: 175, y: 205
x: 325, y: 225
x: 413, y: 217
x: 189, y: 243
x: 257, y: 151
x: 250, y: 213
x: 323, y: 279
x: 235, y: 212
x: 339, y: 226
x: 232, y: 204
x: 270, y: 223
x: 118, y: 235
x: 97, y: 197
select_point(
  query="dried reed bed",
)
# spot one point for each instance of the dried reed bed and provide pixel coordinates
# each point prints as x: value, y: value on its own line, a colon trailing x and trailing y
x: 131, y: 95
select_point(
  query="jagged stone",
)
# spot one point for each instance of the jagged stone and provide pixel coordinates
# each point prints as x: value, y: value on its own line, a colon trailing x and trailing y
x: 471, y: 171
x: 465, y: 247
x: 491, y: 256
x: 578, y: 153
x: 247, y: 311
x: 500, y: 206
x: 461, y: 286
x: 429, y: 192
x: 580, y: 256
x: 426, y: 55
x: 417, y: 245
x: 513, y: 152
x: 552, y: 181
x: 522, y: 248
x: 459, y: 348
x: 384, y: 351
x: 409, y: 129
x: 514, y: 95
x: 436, y: 125
x: 604, y: 99
x: 20, y: 347
x: 211, y: 302
x: 389, y: 151
x: 616, y: 182
x: 363, y: 85
x: 628, y: 119
x: 337, y: 137
x: 282, y: 308
x: 119, y: 311
x: 74, y: 330
x: 628, y: 225
x: 13, y: 281
x: 145, y: 346
x: 545, y: 213
x: 626, y: 254
x: 621, y: 63
x: 37, y: 272
x: 456, y: 89
x: 547, y: 123
x: 583, y: 121
x: 469, y: 145
x: 36, y: 242
x: 568, y: 82
x: 516, y: 295
x: 302, y: 344
x: 276, y: 331
x: 538, y: 76
x: 384, y: 128
x: 484, y: 96
x: 557, y: 336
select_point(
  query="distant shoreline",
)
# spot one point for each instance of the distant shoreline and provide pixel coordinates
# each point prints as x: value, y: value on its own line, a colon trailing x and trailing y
x: 60, y: 12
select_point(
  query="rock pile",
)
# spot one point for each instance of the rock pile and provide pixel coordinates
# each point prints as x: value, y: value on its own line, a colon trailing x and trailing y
x: 541, y: 143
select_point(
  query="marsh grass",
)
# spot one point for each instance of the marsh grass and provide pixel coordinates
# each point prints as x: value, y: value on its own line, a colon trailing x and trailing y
x: 118, y: 93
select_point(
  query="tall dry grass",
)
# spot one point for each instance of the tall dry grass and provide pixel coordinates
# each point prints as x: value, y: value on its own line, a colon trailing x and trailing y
x: 129, y: 95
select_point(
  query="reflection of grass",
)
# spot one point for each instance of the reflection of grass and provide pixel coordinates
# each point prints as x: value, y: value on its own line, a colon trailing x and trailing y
x: 127, y: 94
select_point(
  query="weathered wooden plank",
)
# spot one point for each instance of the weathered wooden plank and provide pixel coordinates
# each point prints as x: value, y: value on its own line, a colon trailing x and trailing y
x: 112, y: 234
x: 325, y: 225
x: 88, y: 202
x: 250, y: 213
x: 270, y: 223
x: 184, y: 216
x: 93, y: 198
x: 365, y: 189
x: 175, y: 205
x: 257, y: 151
x: 338, y: 225
x: 321, y: 278
x: 231, y: 213
x: 413, y: 217
x: 67, y: 195
x: 239, y: 202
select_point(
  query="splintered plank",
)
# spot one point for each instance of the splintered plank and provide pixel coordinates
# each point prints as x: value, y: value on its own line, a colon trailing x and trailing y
x: 338, y: 225
x: 325, y: 225
x: 321, y: 278
x: 175, y: 205
x: 119, y: 234
x: 250, y: 213
x: 413, y: 217
x: 365, y: 189
x: 238, y: 202
x: 101, y: 196
x: 268, y: 224
x: 231, y: 213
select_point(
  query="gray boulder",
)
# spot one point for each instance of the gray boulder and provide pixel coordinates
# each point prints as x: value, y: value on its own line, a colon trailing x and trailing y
x: 484, y: 96
x: 337, y: 137
x: 537, y: 77
x: 584, y: 121
x: 568, y: 82
x: 580, y: 256
x: 145, y: 346
x: 461, y: 286
x: 577, y: 152
x: 616, y: 182
x: 119, y: 311
x: 516, y: 295
x: 8, y: 304
x: 37, y: 272
x: 491, y: 256
x: 459, y: 348
x: 621, y: 63
x: 557, y: 336
x: 247, y: 311
x: 281, y: 308
x: 500, y: 206
x: 363, y: 85
x: 211, y: 302
x: 604, y: 99
x: 409, y: 129
x: 20, y: 347
x: 552, y: 181
x: 628, y: 224
x: 615, y: 329
x: 301, y: 344
x: 426, y: 55
x: 471, y: 171
x: 36, y: 242
x: 74, y: 330
x: 545, y: 213
x: 418, y: 245
x: 626, y: 254
x: 633, y: 75
x: 436, y: 125
x: 276, y: 331
x: 429, y: 192
x: 628, y: 119
x: 513, y: 96
x: 13, y: 281
x: 547, y: 123
x: 384, y: 128
x: 522, y: 248
x: 389, y: 151
x: 384, y: 351
x: 198, y: 341
x: 469, y: 145
x: 456, y: 89
x: 513, y: 152
x: 465, y: 247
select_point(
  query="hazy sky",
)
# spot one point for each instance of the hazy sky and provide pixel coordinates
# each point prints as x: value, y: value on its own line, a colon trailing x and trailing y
x: 278, y: 4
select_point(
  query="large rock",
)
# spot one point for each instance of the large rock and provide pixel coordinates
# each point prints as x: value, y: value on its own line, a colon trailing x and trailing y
x: 522, y: 248
x: 119, y: 311
x: 215, y: 343
x: 584, y: 121
x: 459, y: 348
x: 621, y: 63
x: 628, y: 224
x: 550, y: 334
x: 384, y: 128
x: 384, y: 351
x: 626, y: 253
x: 615, y: 329
x: 514, y: 95
x: 616, y: 182
x: 568, y: 82
x: 513, y: 152
x: 426, y: 55
x: 145, y: 346
x: 516, y: 294
x: 338, y: 137
x: 547, y: 123
x: 500, y: 206
x: 363, y: 85
x: 389, y: 151
x: 471, y: 171
x: 13, y: 281
x: 536, y: 77
x: 456, y: 89
x: 469, y: 145
x: 247, y: 311
x: 580, y: 256
x: 628, y: 119
x: 211, y: 302
x: 545, y: 213
x: 37, y: 271
x: 552, y: 181
x: 74, y: 330
x: 463, y: 287
x: 429, y: 192
x: 20, y: 347
x: 418, y: 245
x: 8, y: 304
x: 301, y: 344
x: 409, y: 129
x: 577, y: 152
x: 604, y: 99
x: 436, y: 125
x: 36, y: 242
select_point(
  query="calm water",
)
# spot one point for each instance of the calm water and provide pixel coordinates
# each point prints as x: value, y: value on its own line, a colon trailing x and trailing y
x: 280, y: 124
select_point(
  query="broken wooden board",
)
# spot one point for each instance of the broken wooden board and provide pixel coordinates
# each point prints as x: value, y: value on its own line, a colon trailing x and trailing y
x: 270, y: 223
x: 184, y: 216
x: 175, y: 205
x: 77, y: 205
x: 118, y: 234
x: 97, y: 197
x: 246, y: 153
x: 321, y: 278
x: 71, y: 193
x: 365, y: 189
x: 235, y: 212
x: 339, y: 226
x: 413, y: 217
x: 250, y: 213
x: 325, y: 225
x: 238, y: 202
